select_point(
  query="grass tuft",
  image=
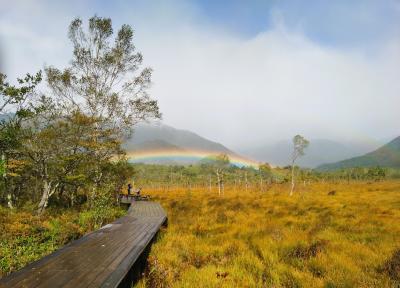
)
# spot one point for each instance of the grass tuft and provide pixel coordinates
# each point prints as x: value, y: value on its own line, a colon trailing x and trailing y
x: 392, y: 266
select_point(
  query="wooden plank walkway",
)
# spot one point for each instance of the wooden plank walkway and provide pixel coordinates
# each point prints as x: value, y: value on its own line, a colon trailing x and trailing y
x: 99, y: 259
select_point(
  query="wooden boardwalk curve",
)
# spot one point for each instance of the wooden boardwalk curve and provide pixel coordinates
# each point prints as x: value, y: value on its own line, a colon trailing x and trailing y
x: 99, y: 259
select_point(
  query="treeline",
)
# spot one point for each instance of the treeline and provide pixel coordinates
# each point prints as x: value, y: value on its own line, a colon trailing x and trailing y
x: 206, y: 175
x: 61, y: 142
x: 359, y: 174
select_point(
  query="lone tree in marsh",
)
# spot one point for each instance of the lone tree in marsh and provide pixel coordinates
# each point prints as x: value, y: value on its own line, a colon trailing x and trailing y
x: 299, y: 144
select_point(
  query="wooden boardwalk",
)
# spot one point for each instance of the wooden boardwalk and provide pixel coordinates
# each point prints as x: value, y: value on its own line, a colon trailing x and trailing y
x: 100, y: 259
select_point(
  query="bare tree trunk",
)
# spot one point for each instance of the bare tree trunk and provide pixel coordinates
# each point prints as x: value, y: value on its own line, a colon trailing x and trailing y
x: 46, y: 193
x: 209, y: 183
x: 292, y: 186
x: 92, y: 195
x: 219, y: 182
x: 9, y: 194
x: 47, y: 190
x: 97, y: 180
x: 10, y: 201
x: 245, y: 175
x: 72, y: 199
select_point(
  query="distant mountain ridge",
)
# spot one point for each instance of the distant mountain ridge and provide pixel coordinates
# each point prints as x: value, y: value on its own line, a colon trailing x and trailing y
x: 149, y: 138
x: 155, y: 145
x: 319, y: 151
x: 387, y: 155
x: 180, y: 138
x: 153, y: 138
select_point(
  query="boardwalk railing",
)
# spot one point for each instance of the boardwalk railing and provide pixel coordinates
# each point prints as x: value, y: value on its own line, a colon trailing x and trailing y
x: 103, y: 258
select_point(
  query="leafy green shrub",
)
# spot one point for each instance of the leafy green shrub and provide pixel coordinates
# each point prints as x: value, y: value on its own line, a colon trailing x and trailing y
x: 101, y: 212
x: 26, y: 237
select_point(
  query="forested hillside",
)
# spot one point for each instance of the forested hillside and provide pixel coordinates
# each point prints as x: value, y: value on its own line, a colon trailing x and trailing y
x: 385, y: 156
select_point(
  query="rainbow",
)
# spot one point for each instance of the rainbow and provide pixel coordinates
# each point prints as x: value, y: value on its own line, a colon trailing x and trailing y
x: 185, y: 156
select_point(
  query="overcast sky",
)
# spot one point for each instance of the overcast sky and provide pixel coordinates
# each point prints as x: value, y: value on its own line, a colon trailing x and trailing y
x: 240, y: 72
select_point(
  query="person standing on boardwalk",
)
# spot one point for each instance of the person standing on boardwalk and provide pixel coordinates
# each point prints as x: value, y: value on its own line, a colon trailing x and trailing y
x: 129, y: 188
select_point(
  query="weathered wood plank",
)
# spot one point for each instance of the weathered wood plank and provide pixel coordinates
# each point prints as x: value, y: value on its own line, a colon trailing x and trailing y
x: 86, y: 268
x: 70, y: 260
x: 99, y: 259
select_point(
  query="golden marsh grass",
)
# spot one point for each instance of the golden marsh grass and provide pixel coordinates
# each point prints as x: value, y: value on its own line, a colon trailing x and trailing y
x: 269, y: 239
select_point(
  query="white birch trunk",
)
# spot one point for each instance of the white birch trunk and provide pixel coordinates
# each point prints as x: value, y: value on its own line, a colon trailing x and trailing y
x: 9, y: 201
x: 219, y: 182
x: 48, y: 190
x: 292, y: 186
x: 246, y: 183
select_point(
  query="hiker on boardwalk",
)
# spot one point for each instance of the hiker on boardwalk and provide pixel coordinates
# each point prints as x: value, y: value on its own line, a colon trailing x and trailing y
x: 129, y: 188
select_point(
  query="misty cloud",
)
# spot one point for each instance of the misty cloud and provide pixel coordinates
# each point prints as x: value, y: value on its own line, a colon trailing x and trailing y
x: 273, y: 86
x: 2, y: 68
x: 230, y: 88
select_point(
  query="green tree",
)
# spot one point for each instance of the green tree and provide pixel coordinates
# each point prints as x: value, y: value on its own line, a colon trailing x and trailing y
x: 299, y: 144
x: 68, y: 143
x: 265, y: 171
x: 16, y: 106
x: 104, y: 80
x: 105, y: 83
